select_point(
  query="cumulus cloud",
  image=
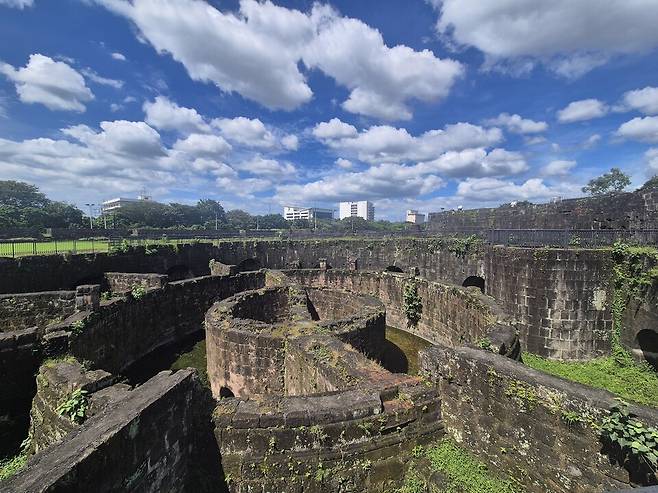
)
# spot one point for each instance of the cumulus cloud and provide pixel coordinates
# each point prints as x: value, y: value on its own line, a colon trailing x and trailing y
x: 167, y: 115
x: 248, y: 131
x: 496, y: 190
x: 257, y: 51
x: 386, y: 180
x: 642, y: 129
x: 19, y: 4
x: 643, y: 100
x: 119, y: 56
x: 585, y: 109
x: 591, y: 141
x: 124, y: 138
x: 54, y: 84
x: 290, y: 142
x: 383, y: 143
x: 344, y: 163
x: 269, y: 168
x: 517, y: 124
x: 569, y: 37
x: 477, y: 162
x: 558, y: 168
x: 381, y: 79
x: 203, y: 145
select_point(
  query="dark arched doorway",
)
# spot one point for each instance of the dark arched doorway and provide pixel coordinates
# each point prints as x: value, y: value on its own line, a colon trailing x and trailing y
x: 647, y: 341
x: 476, y: 281
x: 393, y: 268
x: 248, y: 265
x: 178, y: 273
x: 225, y: 392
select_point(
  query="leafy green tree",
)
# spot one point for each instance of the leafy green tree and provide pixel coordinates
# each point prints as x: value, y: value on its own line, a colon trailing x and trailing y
x: 22, y: 205
x: 272, y: 221
x: 211, y: 211
x: 21, y: 195
x: 614, y: 181
x: 651, y: 182
x: 239, y: 219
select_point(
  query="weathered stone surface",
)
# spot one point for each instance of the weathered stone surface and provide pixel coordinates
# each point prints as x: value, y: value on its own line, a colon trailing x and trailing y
x: 124, y: 282
x: 21, y: 311
x: 513, y: 417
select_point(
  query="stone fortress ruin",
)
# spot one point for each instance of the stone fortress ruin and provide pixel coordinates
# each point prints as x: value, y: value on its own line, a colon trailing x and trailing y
x: 300, y: 389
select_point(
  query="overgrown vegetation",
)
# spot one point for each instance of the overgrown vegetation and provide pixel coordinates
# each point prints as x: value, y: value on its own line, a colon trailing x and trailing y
x: 463, y: 472
x: 138, y: 292
x: 627, y: 379
x: 634, y: 444
x: 463, y: 246
x: 413, y: 305
x: 12, y: 465
x: 77, y: 328
x: 75, y: 407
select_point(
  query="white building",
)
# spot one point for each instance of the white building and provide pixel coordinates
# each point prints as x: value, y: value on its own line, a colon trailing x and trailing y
x: 362, y: 208
x: 116, y: 204
x: 290, y: 213
x: 415, y: 217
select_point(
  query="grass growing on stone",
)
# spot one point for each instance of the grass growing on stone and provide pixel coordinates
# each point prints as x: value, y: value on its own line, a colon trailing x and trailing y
x: 463, y: 473
x: 9, y: 467
x: 618, y: 374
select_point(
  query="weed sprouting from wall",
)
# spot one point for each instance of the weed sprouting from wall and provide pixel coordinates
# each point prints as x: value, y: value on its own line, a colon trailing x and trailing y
x: 413, y: 304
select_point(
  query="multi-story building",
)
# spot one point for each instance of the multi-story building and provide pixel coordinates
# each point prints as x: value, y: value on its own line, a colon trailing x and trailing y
x: 415, y: 217
x: 362, y: 208
x: 113, y: 205
x: 291, y: 213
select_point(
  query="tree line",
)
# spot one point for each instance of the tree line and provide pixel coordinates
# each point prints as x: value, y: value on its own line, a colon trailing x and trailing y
x: 23, y: 205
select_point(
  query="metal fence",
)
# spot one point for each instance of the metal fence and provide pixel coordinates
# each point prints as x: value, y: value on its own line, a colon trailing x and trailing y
x: 43, y: 247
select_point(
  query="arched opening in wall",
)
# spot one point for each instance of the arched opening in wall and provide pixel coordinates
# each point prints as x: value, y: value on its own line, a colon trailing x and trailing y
x: 393, y: 268
x: 476, y: 281
x: 248, y: 265
x: 179, y: 272
x: 225, y: 392
x: 647, y: 340
x: 93, y: 279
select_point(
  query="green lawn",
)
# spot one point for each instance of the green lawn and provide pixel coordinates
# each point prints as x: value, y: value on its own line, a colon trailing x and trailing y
x: 620, y: 375
x: 51, y: 247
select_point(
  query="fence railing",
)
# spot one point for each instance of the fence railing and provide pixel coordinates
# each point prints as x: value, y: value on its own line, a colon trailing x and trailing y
x: 510, y: 237
x: 34, y: 247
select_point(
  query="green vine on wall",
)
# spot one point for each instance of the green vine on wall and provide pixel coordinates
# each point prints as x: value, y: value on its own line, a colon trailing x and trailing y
x: 461, y: 247
x: 413, y: 304
x: 634, y: 444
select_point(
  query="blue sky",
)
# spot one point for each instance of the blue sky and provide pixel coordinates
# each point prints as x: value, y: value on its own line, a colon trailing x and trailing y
x: 415, y: 104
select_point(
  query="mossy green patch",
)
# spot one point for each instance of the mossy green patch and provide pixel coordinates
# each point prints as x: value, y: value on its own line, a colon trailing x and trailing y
x: 9, y: 467
x: 618, y: 374
x: 463, y: 473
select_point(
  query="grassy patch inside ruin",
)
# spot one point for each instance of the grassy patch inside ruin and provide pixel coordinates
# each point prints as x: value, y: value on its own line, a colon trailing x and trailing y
x: 9, y: 467
x: 618, y: 374
x: 463, y: 472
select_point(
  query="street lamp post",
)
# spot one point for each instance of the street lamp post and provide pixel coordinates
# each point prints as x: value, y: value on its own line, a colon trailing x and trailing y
x: 91, y: 223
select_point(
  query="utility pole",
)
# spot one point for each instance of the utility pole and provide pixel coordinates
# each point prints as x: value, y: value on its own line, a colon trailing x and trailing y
x: 216, y: 221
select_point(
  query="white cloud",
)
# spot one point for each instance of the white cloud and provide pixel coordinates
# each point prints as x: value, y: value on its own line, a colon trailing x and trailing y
x: 383, y: 181
x: 570, y: 37
x: 269, y: 168
x: 94, y: 77
x: 477, y: 163
x: 644, y: 100
x: 114, y: 107
x: 167, y: 115
x: 651, y: 157
x: 384, y: 143
x: 254, y: 52
x: 130, y: 139
x: 119, y: 56
x: 344, y: 163
x: 591, y: 141
x: 257, y: 51
x: 493, y: 189
x: 56, y: 85
x: 381, y: 79
x: 585, y: 109
x: 203, y: 145
x: 642, y: 129
x: 290, y: 142
x: 247, y: 131
x: 19, y: 4
x: 334, y: 129
x: 517, y: 124
x: 558, y: 168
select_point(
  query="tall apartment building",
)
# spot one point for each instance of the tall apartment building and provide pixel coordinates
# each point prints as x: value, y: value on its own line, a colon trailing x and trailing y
x: 362, y: 208
x: 291, y: 213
